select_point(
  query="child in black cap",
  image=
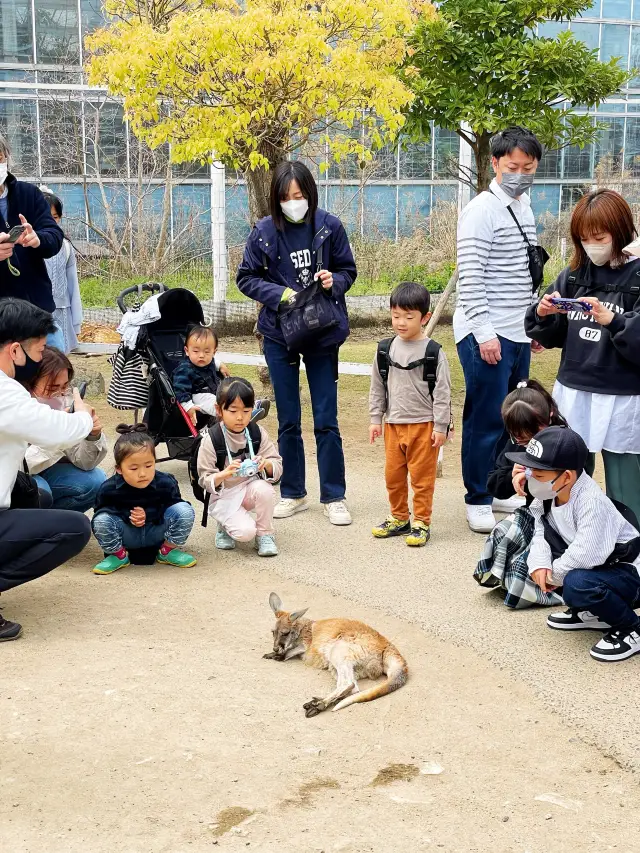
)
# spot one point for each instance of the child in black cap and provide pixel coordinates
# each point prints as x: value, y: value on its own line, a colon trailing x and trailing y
x: 584, y: 543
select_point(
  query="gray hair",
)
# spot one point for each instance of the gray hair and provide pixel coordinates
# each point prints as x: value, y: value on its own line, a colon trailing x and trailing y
x: 4, y: 147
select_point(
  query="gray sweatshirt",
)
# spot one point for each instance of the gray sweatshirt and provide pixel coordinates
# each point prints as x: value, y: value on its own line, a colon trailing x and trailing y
x: 409, y: 399
x: 589, y: 523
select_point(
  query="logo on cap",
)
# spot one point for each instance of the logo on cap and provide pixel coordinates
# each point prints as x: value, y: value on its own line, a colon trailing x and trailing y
x: 534, y: 448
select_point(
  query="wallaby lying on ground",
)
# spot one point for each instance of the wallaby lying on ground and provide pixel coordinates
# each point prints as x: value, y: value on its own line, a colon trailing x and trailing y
x: 348, y: 648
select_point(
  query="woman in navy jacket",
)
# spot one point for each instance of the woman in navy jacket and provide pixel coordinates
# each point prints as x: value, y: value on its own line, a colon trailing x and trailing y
x: 279, y: 260
x: 23, y: 273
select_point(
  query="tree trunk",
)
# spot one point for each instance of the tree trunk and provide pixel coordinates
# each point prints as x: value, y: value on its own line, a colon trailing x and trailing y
x: 482, y: 153
x: 258, y: 188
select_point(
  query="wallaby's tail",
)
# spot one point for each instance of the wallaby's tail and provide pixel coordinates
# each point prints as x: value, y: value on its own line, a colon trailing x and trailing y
x: 395, y: 667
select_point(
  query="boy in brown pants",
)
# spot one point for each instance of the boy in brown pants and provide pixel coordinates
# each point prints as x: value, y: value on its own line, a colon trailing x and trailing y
x: 411, y: 388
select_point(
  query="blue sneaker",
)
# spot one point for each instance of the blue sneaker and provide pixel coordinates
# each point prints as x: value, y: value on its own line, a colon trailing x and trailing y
x: 223, y: 541
x: 266, y: 546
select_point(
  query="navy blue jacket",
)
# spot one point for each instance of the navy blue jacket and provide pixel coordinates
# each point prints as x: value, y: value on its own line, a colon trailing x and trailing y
x: 33, y: 283
x: 266, y: 272
x: 189, y: 379
x: 117, y: 497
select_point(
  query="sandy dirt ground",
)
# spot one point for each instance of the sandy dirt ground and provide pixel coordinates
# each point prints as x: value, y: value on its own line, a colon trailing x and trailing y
x: 138, y: 716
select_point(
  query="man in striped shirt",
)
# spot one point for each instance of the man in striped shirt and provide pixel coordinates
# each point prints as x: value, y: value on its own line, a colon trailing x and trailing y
x: 494, y: 292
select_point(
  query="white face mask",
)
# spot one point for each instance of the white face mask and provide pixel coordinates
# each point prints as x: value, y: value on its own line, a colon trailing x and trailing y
x: 295, y: 210
x: 542, y: 491
x: 599, y: 253
x: 4, y: 170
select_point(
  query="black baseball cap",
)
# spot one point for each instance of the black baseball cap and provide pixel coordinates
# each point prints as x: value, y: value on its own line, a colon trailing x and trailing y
x: 555, y: 448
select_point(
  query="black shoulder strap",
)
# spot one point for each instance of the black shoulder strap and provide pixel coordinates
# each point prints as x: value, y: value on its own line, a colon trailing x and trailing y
x: 430, y: 372
x: 520, y: 229
x: 219, y: 446
x: 319, y: 257
x: 383, y: 360
x: 256, y: 437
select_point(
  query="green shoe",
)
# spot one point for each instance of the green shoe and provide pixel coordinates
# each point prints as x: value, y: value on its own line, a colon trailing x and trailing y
x: 177, y: 558
x: 391, y: 527
x: 420, y: 535
x: 111, y: 564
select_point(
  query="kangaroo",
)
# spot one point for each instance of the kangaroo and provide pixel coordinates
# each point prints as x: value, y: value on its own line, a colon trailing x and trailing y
x: 350, y: 649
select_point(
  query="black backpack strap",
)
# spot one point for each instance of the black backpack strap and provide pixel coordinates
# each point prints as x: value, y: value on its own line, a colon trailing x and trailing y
x: 383, y: 360
x: 219, y: 446
x: 430, y: 372
x: 255, y: 435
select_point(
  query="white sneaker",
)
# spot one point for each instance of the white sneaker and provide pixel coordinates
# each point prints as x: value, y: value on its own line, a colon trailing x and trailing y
x: 286, y: 507
x: 509, y: 505
x: 480, y: 518
x: 338, y: 513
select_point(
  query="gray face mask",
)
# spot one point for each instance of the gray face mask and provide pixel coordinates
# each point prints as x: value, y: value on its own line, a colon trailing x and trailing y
x: 514, y: 185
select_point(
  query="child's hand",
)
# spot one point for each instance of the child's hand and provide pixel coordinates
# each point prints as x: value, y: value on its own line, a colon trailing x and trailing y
x: 375, y: 431
x: 193, y: 414
x: 138, y: 516
x: 224, y: 370
x: 232, y: 469
x: 439, y: 438
x: 599, y: 312
x: 518, y: 480
x: 264, y: 465
x: 542, y: 577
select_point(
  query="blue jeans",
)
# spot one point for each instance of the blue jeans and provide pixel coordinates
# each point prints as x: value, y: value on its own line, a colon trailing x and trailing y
x: 56, y: 339
x: 113, y: 533
x: 322, y: 376
x: 483, y: 433
x: 71, y: 487
x: 611, y: 594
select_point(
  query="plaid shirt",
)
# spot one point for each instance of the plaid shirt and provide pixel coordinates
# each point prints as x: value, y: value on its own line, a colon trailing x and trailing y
x: 504, y: 563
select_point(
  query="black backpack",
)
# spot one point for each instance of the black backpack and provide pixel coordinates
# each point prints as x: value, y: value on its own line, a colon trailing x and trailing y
x: 429, y: 361
x: 220, y: 447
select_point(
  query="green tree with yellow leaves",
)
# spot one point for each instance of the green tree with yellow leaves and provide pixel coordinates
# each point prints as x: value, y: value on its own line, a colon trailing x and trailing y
x: 251, y: 82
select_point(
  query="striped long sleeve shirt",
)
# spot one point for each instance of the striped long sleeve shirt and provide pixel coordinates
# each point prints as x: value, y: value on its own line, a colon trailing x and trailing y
x: 590, y: 525
x: 494, y: 286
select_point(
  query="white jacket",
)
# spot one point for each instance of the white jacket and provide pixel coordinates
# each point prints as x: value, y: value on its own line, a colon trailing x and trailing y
x: 85, y: 455
x: 23, y: 421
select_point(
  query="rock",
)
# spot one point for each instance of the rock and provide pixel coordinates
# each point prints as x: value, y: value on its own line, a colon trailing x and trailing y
x: 95, y: 379
x: 505, y: 818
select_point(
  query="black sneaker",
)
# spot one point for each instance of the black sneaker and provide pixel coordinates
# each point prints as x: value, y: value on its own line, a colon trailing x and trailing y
x: 9, y: 630
x: 617, y: 645
x: 576, y: 620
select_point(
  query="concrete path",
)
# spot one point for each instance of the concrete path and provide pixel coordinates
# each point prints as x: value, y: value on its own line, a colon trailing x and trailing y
x: 137, y: 714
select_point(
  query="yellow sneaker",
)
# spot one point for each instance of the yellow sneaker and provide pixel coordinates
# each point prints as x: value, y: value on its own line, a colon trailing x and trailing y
x: 419, y: 536
x: 391, y: 527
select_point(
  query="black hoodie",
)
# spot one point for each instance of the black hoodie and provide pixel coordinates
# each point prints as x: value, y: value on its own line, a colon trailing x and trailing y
x: 598, y: 359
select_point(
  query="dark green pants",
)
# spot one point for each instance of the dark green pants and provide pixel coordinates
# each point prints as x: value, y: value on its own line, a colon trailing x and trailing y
x: 622, y: 477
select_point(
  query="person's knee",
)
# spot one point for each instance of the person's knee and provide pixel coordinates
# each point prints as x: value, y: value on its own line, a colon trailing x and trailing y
x: 243, y: 531
x: 578, y: 585
x: 104, y: 524
x: 182, y: 511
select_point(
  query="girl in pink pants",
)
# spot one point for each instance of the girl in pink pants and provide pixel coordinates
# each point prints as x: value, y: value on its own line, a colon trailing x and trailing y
x: 238, y: 467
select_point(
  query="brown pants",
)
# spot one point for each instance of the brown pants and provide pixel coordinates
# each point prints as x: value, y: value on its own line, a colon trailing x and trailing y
x: 409, y: 451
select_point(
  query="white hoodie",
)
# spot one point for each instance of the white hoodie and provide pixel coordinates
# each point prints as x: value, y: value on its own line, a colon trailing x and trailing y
x: 23, y: 421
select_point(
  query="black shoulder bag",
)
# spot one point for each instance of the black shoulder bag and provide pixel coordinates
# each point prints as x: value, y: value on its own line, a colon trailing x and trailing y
x: 537, y: 255
x: 25, y: 493
x: 308, y: 314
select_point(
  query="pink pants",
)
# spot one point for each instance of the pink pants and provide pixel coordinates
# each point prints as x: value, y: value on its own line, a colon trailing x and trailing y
x: 260, y: 497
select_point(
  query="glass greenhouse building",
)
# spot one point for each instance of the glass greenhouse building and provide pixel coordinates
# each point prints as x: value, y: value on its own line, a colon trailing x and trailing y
x: 68, y: 136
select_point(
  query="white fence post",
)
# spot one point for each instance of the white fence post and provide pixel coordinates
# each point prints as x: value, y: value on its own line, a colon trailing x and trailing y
x: 218, y: 241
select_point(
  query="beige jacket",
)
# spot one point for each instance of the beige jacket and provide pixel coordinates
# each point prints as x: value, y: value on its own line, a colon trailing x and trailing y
x: 85, y: 455
x: 207, y: 461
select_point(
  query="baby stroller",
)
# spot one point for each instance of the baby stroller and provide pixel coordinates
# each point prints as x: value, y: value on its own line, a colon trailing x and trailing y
x: 161, y: 344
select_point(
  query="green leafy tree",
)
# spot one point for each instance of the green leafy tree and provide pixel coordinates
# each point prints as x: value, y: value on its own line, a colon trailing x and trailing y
x: 478, y: 67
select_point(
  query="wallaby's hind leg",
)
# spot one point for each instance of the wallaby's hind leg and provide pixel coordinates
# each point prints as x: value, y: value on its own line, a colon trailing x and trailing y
x: 346, y: 684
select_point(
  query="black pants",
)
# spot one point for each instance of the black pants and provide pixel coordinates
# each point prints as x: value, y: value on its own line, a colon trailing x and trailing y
x: 35, y: 541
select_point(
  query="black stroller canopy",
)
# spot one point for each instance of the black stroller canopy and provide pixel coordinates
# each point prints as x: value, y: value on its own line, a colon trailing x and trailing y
x: 178, y: 307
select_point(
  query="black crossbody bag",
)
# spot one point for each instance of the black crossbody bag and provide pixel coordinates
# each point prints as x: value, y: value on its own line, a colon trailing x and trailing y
x: 25, y: 494
x: 537, y: 255
x: 308, y: 314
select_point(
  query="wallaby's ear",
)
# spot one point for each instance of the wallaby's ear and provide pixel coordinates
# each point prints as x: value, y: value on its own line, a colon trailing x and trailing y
x: 274, y: 601
x: 298, y: 614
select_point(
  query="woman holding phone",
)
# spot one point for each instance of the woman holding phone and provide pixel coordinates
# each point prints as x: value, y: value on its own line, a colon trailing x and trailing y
x: 70, y: 474
x: 598, y: 383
